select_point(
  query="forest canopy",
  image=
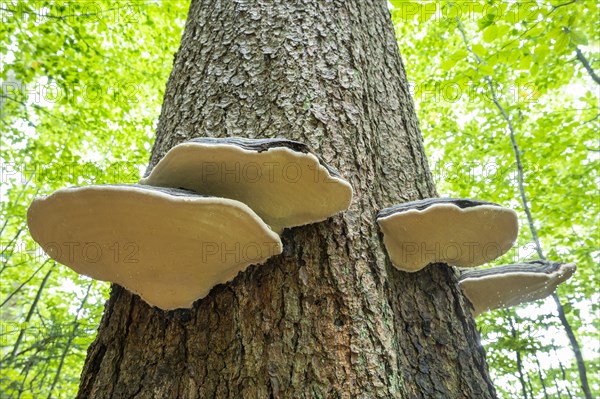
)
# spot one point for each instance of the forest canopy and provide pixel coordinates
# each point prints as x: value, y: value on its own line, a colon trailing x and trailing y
x: 507, y: 95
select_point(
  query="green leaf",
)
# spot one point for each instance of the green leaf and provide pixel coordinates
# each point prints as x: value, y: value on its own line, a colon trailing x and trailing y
x: 452, y: 10
x: 525, y: 62
x: 484, y: 23
x: 536, y: 31
x: 534, y: 69
x: 556, y: 32
x: 578, y: 37
x: 479, y: 50
x: 502, y: 31
x: 490, y: 33
x: 448, y: 63
x: 562, y: 42
x: 486, y: 69
x: 541, y: 51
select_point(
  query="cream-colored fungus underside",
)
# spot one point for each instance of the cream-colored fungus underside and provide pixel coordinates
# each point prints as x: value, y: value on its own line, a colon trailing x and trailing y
x: 511, y: 289
x: 446, y: 233
x: 284, y: 187
x: 162, y: 247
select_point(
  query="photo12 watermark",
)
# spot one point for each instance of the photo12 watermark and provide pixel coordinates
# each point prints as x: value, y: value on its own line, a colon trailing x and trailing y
x: 70, y: 172
x: 71, y: 252
x: 120, y: 92
x: 429, y: 10
x: 47, y: 334
x: 130, y: 252
x: 455, y: 92
x: 249, y: 252
x: 88, y: 12
x: 260, y: 172
x: 477, y: 171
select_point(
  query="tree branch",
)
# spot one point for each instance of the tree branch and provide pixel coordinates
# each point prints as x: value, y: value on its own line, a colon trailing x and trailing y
x: 23, y: 284
x: 541, y: 377
x: 70, y: 340
x: 587, y: 65
x: 534, y: 234
x: 518, y: 353
x: 31, y: 310
x: 554, y: 8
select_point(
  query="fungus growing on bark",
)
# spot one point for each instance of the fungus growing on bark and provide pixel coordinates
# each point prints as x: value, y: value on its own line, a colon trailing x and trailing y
x: 281, y: 180
x: 511, y: 285
x: 459, y: 232
x: 170, y: 246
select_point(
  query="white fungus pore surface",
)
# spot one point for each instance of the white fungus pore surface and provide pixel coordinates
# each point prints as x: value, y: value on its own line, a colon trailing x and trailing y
x: 496, y: 291
x: 465, y: 237
x: 169, y: 249
x: 286, y: 188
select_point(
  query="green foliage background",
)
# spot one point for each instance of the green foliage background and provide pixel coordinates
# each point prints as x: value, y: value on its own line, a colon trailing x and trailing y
x: 82, y: 85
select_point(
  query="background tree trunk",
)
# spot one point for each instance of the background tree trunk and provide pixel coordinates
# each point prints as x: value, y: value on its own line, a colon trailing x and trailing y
x: 330, y: 317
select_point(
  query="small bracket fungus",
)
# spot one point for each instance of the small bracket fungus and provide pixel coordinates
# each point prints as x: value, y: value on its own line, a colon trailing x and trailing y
x: 459, y: 232
x: 281, y: 180
x: 169, y: 246
x: 511, y: 285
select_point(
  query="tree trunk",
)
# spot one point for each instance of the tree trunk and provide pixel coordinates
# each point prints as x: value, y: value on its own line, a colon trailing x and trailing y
x: 330, y: 317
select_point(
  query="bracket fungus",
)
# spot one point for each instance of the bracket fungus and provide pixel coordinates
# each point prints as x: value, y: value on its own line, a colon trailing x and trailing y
x: 170, y: 246
x: 459, y: 232
x: 511, y: 285
x: 281, y: 180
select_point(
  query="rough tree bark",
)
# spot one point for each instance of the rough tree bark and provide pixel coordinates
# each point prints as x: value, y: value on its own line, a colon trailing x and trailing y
x: 330, y: 317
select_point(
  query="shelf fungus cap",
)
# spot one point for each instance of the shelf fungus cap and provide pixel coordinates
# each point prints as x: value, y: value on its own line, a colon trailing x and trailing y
x: 459, y: 232
x: 281, y: 180
x: 169, y: 246
x: 511, y: 285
